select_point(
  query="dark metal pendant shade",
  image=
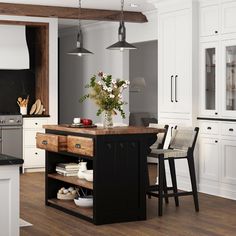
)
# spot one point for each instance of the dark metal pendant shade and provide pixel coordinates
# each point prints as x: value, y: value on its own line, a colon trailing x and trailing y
x: 80, y: 52
x: 121, y: 45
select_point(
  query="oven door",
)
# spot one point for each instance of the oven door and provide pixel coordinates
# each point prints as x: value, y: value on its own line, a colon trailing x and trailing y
x: 12, y: 144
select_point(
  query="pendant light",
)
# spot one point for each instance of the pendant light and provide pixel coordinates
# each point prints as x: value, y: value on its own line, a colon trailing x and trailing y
x: 79, y: 51
x: 122, y: 44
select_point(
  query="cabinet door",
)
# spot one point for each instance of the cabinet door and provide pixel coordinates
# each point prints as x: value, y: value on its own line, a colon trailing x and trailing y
x: 229, y: 78
x: 209, y: 158
x: 209, y: 20
x: 208, y: 86
x: 166, y: 62
x: 229, y: 17
x: 182, y: 78
x: 228, y: 162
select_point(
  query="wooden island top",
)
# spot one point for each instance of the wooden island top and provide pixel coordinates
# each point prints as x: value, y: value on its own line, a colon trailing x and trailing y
x: 102, y: 131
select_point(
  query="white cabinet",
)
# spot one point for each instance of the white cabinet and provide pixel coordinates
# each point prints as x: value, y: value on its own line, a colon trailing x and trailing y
x: 228, y: 12
x: 174, y: 57
x: 217, y: 152
x: 33, y: 157
x: 209, y: 154
x: 209, y: 20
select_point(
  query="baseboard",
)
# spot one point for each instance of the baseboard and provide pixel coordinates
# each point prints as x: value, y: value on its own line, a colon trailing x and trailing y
x: 31, y: 170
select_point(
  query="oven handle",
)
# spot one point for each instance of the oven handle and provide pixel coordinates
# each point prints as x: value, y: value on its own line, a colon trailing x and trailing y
x: 11, y: 127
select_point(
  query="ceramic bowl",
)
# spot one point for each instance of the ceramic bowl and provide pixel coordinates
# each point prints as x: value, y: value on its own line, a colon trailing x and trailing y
x: 88, y: 175
x: 84, y: 201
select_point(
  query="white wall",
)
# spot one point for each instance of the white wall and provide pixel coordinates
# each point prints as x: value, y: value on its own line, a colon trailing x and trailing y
x: 75, y: 73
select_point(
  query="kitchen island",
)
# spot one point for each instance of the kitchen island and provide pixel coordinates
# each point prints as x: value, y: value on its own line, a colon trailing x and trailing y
x: 9, y: 204
x: 118, y: 157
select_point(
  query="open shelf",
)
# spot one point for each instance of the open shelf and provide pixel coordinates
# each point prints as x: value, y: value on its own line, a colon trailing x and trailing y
x: 72, y: 180
x: 70, y: 206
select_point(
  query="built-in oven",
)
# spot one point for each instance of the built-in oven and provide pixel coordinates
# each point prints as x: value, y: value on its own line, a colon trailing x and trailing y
x: 11, y: 135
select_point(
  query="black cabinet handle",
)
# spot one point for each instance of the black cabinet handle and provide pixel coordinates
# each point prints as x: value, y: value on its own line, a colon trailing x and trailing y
x: 171, y: 88
x: 36, y: 123
x: 44, y: 142
x: 36, y: 153
x: 77, y: 145
x: 216, y: 113
x: 208, y: 127
x: 216, y: 32
x: 176, y: 88
x: 216, y: 141
x: 231, y: 129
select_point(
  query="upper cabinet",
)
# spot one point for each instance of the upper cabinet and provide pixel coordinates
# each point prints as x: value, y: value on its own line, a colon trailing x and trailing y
x: 217, y: 19
x: 209, y: 20
x: 174, y: 67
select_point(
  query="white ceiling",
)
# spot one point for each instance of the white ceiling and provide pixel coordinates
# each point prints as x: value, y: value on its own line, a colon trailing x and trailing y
x: 143, y: 6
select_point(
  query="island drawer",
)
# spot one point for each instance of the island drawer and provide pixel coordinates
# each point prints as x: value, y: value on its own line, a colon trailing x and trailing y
x: 51, y: 142
x: 80, y: 145
x: 209, y: 127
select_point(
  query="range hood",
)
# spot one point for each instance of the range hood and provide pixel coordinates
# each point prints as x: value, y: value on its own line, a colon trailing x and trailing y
x: 14, y: 53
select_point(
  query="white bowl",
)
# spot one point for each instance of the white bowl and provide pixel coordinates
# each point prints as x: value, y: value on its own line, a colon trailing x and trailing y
x: 84, y: 201
x: 88, y: 175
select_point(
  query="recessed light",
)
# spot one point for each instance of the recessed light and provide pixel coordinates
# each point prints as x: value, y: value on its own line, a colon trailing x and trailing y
x: 134, y: 5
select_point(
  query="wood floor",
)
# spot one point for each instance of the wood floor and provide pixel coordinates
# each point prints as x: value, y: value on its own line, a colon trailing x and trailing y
x: 217, y: 216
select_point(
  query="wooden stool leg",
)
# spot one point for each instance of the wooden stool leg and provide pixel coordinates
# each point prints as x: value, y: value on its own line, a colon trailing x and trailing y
x: 165, y: 185
x: 193, y: 181
x: 173, y: 179
x: 161, y: 184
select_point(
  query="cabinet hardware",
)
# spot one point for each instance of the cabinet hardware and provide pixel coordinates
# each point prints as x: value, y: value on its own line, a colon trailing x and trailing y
x: 44, y: 142
x: 208, y: 127
x: 216, y: 32
x: 36, y: 153
x: 171, y: 88
x: 77, y: 145
x: 176, y: 88
x: 36, y: 123
x: 231, y: 129
x: 216, y: 113
x: 216, y: 141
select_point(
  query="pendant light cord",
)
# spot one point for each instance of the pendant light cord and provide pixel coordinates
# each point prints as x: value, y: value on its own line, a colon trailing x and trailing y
x: 79, y: 14
x: 122, y: 11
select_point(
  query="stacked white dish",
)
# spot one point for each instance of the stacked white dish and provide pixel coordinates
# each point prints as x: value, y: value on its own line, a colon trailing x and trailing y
x: 86, y: 201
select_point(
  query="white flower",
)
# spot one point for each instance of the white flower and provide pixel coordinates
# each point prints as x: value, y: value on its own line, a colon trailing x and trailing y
x: 109, y: 90
x: 99, y: 82
x: 112, y: 95
x: 120, y: 96
x: 124, y: 86
x: 104, y: 76
x: 113, y: 81
x: 115, y: 86
x: 127, y: 82
x: 104, y: 88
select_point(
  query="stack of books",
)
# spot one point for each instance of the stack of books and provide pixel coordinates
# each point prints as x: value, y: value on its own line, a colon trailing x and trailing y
x: 67, y: 169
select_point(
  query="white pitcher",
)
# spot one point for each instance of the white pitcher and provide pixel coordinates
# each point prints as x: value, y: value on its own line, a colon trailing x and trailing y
x: 82, y: 167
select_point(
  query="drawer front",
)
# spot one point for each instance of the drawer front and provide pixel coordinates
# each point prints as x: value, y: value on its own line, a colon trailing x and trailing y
x: 34, y: 157
x: 30, y: 137
x: 80, y: 145
x: 228, y: 129
x: 209, y: 128
x: 34, y: 123
x: 51, y: 142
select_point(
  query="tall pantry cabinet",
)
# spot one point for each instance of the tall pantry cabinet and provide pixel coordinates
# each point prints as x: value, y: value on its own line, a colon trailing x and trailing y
x: 176, y: 73
x: 217, y: 98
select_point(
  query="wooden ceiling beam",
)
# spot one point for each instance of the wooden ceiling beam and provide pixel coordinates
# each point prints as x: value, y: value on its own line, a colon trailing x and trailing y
x: 69, y: 13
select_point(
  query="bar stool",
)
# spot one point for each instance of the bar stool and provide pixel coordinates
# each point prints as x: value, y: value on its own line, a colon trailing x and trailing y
x: 181, y: 146
x: 159, y: 144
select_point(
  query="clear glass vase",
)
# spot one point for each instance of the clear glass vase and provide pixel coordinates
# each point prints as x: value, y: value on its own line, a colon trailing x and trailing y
x: 108, y: 119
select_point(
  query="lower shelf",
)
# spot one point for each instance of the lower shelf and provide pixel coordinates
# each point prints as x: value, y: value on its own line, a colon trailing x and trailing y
x: 70, y: 207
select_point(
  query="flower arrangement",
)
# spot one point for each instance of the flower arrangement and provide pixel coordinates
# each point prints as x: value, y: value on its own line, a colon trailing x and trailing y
x: 107, y: 93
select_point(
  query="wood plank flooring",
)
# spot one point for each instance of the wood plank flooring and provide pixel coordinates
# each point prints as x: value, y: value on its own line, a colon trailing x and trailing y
x: 217, y: 216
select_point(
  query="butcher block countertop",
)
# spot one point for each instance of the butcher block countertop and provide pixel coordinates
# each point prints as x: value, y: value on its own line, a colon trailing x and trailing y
x: 102, y: 131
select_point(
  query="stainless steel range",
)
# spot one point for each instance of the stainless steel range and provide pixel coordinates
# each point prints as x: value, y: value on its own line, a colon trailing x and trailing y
x: 11, y: 136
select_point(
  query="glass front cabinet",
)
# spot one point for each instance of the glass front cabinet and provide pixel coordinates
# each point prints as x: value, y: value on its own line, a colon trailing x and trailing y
x: 218, y: 79
x: 229, y: 78
x: 209, y: 105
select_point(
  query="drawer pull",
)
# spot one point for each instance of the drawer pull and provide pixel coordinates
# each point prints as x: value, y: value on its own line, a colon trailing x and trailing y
x: 77, y: 145
x: 44, y: 142
x: 231, y: 129
x: 216, y: 113
x: 216, y: 141
x: 36, y: 123
x: 209, y: 127
x: 36, y: 153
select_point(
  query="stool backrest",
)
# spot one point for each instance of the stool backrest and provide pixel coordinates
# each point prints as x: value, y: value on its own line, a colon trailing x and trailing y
x: 184, y: 138
x: 161, y: 137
